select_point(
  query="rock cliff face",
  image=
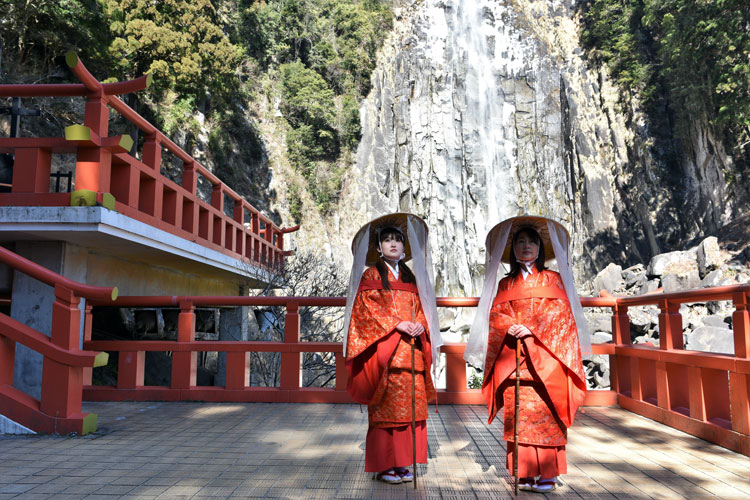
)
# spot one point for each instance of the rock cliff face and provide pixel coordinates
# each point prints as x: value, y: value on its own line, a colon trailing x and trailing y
x: 485, y: 109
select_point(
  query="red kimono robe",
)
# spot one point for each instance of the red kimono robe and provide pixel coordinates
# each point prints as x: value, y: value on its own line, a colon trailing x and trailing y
x: 379, y: 366
x: 553, y: 383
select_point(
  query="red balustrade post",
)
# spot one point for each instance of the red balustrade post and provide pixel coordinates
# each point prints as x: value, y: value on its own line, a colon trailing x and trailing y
x: 239, y: 216
x: 697, y: 394
x: 130, y: 369
x: 31, y: 170
x: 189, y: 177
x: 87, y: 326
x: 189, y: 208
x: 279, y: 260
x: 255, y: 244
x: 741, y: 324
x: 238, y: 213
x: 255, y: 222
x: 455, y: 371
x: 96, y: 114
x: 94, y: 164
x: 219, y: 228
x: 62, y: 385
x: 7, y: 360
x: 93, y: 169
x: 185, y: 364
x: 152, y: 152
x: 238, y: 370
x: 670, y: 338
x: 620, y: 369
x: 739, y: 383
x: 670, y: 326
x: 342, y: 377
x: 290, y: 361
x: 217, y: 198
x: 636, y: 388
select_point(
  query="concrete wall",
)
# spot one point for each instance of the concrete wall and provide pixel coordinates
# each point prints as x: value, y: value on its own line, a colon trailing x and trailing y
x: 31, y: 303
x: 134, y: 277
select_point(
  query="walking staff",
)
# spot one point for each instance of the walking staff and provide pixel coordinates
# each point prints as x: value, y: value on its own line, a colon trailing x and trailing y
x: 515, y: 416
x: 413, y: 412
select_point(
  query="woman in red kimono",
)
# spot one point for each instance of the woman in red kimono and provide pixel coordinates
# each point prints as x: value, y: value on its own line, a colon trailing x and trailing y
x: 385, y: 317
x: 533, y: 306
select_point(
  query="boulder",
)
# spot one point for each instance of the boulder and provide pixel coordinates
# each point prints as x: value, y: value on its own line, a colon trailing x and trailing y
x: 708, y: 255
x: 649, y: 286
x: 599, y: 322
x: 673, y: 263
x: 597, y: 371
x: 601, y: 338
x: 693, y: 315
x: 685, y: 314
x: 609, y: 278
x: 641, y: 320
x: 634, y: 276
x: 711, y: 339
x: 715, y: 320
x: 683, y: 281
x: 714, y: 278
x: 720, y: 307
x: 646, y: 339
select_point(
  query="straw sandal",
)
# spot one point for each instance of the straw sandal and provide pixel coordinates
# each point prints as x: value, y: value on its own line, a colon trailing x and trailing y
x: 526, y: 483
x: 405, y: 474
x: 389, y: 476
x: 545, y: 485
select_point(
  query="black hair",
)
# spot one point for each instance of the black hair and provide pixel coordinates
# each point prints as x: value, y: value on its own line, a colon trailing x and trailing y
x: 515, y: 267
x: 407, y: 276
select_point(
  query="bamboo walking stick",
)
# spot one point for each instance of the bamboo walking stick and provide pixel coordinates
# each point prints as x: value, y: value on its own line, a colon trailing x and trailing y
x: 515, y: 416
x: 413, y: 416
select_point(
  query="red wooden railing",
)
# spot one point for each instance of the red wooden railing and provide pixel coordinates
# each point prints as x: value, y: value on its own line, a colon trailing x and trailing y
x: 704, y: 394
x: 59, y: 409
x: 107, y: 174
x: 701, y: 393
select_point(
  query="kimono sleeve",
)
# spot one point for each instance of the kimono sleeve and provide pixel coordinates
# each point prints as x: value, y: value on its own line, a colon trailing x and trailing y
x: 372, y: 319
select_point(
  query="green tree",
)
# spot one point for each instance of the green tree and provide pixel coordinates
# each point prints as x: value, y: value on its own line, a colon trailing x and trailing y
x: 35, y: 33
x: 180, y: 42
x: 688, y: 59
x: 325, y: 51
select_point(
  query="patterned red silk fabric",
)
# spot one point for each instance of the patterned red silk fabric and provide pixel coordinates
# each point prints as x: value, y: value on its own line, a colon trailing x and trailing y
x: 553, y: 382
x: 379, y: 357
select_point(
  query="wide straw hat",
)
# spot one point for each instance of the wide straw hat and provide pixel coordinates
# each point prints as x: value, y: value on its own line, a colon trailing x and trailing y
x: 535, y: 222
x: 396, y: 221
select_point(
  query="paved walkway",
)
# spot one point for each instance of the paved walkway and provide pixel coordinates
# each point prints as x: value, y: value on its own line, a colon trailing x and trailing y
x: 219, y: 451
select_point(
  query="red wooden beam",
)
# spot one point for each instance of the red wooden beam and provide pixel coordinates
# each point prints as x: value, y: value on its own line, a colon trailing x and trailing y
x: 102, y: 294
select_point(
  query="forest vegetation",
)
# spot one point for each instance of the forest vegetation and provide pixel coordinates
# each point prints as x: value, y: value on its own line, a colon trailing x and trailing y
x: 684, y: 60
x: 218, y: 57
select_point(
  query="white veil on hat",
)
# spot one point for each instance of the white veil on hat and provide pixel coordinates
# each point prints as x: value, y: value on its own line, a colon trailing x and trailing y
x: 556, y: 240
x: 417, y: 248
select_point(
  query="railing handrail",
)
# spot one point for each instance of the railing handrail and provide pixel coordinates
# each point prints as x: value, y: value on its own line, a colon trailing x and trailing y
x: 696, y: 295
x: 108, y: 93
x: 711, y: 294
x: 59, y: 407
x: 37, y: 341
x: 53, y: 279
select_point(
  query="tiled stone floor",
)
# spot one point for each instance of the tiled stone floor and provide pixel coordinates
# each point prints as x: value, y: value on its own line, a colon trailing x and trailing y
x: 220, y: 451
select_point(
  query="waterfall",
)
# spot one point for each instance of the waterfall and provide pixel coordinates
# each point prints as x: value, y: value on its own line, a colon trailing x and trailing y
x: 484, y: 114
x: 485, y: 109
x: 463, y: 128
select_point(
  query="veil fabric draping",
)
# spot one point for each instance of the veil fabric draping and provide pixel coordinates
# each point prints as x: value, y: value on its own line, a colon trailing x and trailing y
x: 555, y: 237
x: 417, y: 248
